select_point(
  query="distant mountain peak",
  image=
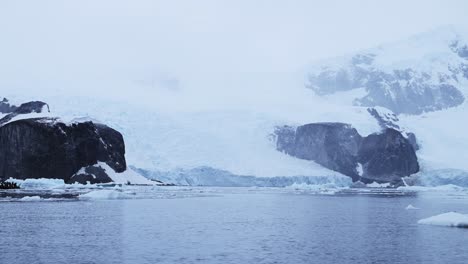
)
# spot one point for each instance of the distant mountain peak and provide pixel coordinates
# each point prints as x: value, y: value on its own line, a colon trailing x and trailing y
x: 420, y: 74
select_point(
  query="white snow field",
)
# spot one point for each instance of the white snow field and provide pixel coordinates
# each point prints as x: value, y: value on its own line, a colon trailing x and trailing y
x: 451, y: 219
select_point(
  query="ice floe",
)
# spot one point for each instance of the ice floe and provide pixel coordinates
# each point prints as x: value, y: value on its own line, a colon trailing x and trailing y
x: 411, y: 207
x: 451, y: 219
x: 104, y: 195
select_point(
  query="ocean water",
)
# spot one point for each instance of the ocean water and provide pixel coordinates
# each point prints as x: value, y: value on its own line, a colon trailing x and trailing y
x: 232, y: 225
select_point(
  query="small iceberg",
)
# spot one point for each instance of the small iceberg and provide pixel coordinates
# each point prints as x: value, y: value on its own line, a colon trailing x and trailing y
x: 411, y: 207
x: 104, y: 195
x: 30, y: 199
x: 450, y: 219
x: 378, y: 185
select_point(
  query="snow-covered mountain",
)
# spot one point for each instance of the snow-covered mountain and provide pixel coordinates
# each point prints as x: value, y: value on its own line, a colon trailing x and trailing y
x: 423, y: 80
x: 194, y: 136
x: 425, y: 73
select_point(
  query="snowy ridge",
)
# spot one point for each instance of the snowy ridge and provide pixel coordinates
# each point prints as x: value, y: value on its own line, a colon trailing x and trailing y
x: 420, y: 74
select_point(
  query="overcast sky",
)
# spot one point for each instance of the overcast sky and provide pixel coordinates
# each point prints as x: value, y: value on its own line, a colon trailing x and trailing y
x: 61, y: 43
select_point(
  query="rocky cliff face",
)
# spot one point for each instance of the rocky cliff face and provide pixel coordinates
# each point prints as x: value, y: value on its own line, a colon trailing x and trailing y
x: 387, y: 157
x: 50, y: 148
x: 47, y: 148
x: 383, y: 157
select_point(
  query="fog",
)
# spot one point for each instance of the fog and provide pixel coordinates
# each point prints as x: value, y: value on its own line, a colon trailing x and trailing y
x: 205, y: 51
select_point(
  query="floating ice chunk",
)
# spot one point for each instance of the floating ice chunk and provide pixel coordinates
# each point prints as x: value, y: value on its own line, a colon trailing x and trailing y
x: 450, y: 219
x: 378, y: 185
x: 411, y: 207
x: 442, y: 188
x: 38, y: 183
x: 323, y: 189
x: 104, y: 195
x: 30, y: 199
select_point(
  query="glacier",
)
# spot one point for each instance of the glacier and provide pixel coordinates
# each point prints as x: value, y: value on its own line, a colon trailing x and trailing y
x: 174, y: 142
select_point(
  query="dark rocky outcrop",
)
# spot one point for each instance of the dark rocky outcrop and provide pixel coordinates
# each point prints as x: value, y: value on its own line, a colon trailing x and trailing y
x: 26, y: 108
x: 48, y: 148
x: 8, y: 185
x: 91, y: 174
x: 382, y: 157
x: 387, y: 157
x: 5, y: 106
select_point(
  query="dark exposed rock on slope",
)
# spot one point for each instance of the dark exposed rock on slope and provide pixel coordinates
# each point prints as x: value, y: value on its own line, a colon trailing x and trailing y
x: 49, y: 148
x: 403, y: 91
x: 46, y: 148
x: 26, y: 108
x: 383, y: 157
x: 5, y: 106
x: 387, y: 157
x: 92, y: 174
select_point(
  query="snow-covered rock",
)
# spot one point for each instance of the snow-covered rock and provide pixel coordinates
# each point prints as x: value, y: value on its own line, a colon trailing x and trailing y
x: 34, y: 145
x: 451, y: 219
x: 26, y: 111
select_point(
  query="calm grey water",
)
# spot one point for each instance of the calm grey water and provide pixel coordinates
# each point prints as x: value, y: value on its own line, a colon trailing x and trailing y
x: 234, y: 227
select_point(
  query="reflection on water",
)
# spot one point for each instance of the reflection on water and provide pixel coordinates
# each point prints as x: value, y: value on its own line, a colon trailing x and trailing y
x: 241, y: 226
